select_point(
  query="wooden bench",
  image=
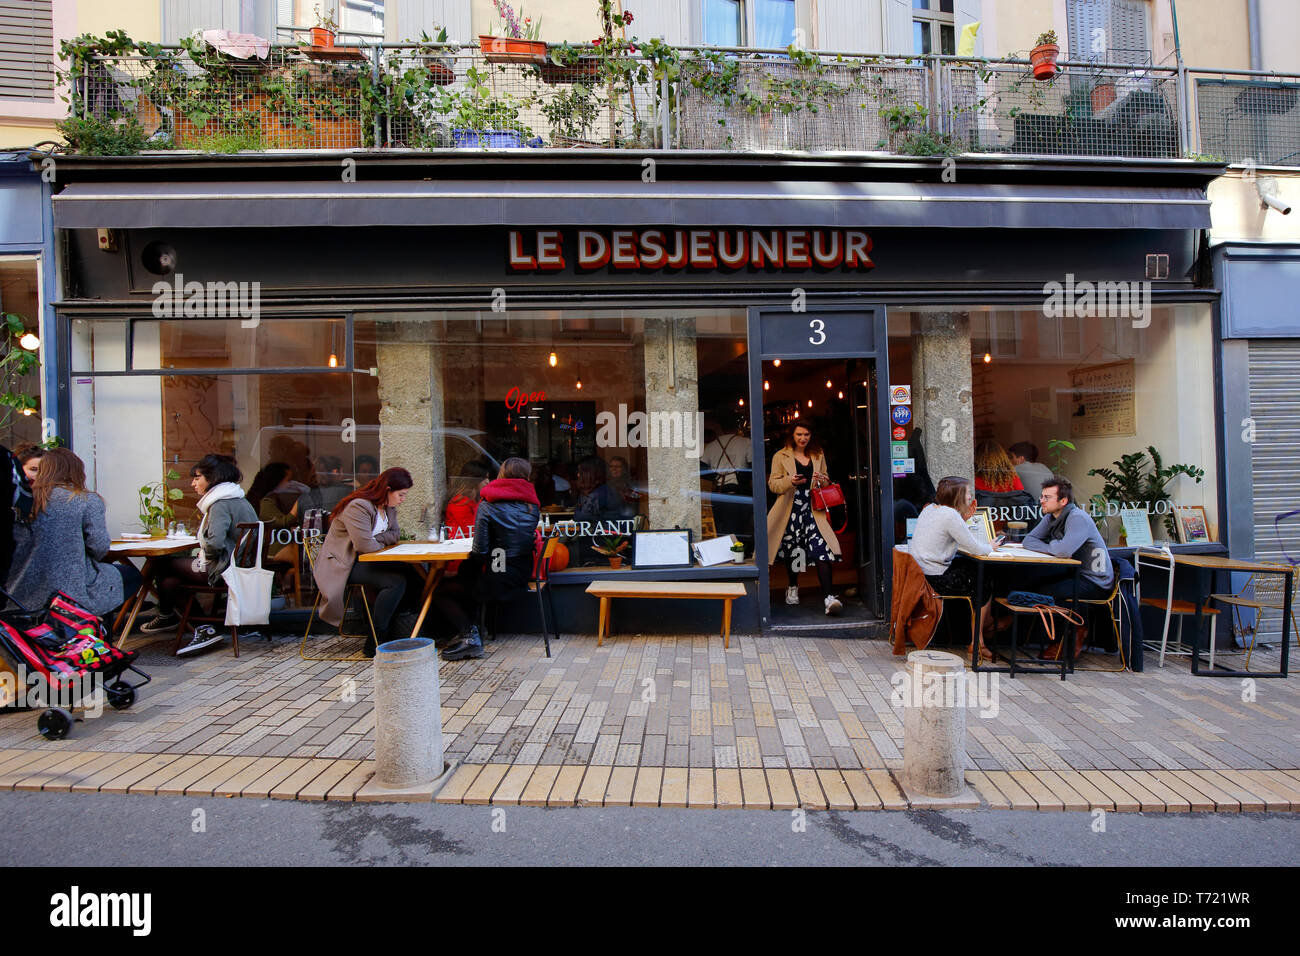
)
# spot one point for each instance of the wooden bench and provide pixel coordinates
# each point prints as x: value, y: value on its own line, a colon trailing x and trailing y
x: 725, y: 591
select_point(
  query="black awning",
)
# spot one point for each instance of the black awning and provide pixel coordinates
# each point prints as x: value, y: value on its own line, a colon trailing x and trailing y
x: 136, y: 205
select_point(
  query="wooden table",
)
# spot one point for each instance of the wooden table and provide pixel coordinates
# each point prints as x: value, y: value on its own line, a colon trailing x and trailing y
x: 726, y: 591
x: 432, y: 557
x: 1208, y: 565
x: 151, y: 549
x: 1021, y: 557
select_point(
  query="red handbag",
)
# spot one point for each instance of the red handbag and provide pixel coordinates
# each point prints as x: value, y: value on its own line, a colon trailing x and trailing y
x: 831, y: 496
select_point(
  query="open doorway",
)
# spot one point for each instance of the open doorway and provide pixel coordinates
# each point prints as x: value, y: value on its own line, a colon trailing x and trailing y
x: 835, y: 399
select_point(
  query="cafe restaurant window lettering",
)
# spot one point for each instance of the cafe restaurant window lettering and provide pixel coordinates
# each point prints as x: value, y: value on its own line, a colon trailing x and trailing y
x: 1086, y: 397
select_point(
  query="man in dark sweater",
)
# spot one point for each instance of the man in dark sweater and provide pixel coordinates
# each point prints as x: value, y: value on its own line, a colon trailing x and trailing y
x: 1066, y: 531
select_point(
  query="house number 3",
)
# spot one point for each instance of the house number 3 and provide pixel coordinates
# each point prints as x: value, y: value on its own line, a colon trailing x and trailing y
x: 819, y: 331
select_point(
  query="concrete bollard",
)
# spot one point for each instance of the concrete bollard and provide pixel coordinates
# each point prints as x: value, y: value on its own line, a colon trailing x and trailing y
x: 934, y: 724
x: 408, y: 714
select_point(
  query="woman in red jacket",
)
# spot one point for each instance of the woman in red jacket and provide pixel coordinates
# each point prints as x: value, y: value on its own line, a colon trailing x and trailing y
x: 994, y: 470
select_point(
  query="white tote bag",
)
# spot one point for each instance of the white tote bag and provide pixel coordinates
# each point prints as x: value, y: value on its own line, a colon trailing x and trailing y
x: 248, y: 599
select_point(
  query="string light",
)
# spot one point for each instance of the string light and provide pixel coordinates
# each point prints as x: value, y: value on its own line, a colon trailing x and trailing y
x: 828, y: 384
x: 839, y: 394
x: 810, y: 403
x: 766, y: 385
x: 796, y: 413
x: 776, y: 363
x: 742, y: 403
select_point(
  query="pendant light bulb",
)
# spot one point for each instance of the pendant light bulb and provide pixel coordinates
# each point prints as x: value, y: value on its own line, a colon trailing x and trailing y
x: 742, y: 403
x: 828, y: 384
x: 554, y: 360
x: 578, y: 384
x: 766, y: 385
x: 334, y: 360
x: 987, y: 358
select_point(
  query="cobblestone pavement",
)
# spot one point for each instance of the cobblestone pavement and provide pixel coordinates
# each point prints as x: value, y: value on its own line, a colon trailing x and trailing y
x: 772, y: 722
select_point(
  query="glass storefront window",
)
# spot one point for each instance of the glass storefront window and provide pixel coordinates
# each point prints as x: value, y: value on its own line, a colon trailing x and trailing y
x: 1111, y: 387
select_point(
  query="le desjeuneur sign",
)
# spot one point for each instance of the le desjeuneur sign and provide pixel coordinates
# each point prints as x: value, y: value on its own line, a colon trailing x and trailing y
x: 710, y: 250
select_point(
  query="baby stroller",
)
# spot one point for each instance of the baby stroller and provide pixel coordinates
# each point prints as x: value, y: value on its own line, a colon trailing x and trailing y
x: 67, y: 650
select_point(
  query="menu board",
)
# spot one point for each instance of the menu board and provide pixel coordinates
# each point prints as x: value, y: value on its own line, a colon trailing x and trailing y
x: 662, y: 549
x: 1103, y: 405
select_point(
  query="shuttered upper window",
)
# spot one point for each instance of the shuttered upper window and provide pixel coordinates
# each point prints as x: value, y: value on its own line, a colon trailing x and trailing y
x: 27, y: 49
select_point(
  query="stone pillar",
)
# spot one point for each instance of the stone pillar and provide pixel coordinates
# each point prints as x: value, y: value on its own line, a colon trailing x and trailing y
x: 941, y: 393
x: 934, y: 724
x: 408, y: 714
x: 672, y: 393
x: 411, y: 401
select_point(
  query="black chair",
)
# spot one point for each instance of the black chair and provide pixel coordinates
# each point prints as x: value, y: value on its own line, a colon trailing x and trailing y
x: 540, y: 584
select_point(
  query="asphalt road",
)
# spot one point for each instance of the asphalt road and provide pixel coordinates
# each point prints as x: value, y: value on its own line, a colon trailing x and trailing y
x: 184, y: 831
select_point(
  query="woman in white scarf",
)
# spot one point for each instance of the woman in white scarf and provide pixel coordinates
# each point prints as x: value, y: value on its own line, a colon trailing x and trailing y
x: 223, y: 508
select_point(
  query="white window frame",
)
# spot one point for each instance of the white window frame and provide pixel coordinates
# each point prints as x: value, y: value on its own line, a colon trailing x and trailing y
x: 749, y: 21
x: 934, y: 21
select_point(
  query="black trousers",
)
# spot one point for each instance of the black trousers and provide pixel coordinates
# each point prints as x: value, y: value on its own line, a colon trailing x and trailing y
x: 396, y: 588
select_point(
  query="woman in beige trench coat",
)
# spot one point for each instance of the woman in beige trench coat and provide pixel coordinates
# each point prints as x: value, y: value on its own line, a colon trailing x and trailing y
x: 796, y: 533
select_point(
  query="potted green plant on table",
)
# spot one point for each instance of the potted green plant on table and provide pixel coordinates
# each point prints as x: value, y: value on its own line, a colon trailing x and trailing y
x: 155, y: 504
x: 518, y: 42
x: 611, y: 546
x: 1137, y: 482
x: 1043, y: 55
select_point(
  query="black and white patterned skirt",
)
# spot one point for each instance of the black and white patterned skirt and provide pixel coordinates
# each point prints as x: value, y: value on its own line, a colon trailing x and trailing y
x: 802, y: 535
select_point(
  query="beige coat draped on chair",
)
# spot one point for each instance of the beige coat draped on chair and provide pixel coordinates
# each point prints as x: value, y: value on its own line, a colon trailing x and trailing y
x: 783, y: 469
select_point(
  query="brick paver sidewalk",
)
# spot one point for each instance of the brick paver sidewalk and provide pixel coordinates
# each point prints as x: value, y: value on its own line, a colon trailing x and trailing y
x: 664, y: 721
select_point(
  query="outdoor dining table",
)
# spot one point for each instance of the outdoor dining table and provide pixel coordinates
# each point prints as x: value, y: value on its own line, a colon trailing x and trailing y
x: 432, y: 557
x: 1019, y: 557
x: 151, y: 549
x: 1207, y: 566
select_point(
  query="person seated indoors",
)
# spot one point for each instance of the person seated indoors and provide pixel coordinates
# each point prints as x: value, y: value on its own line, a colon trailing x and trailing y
x: 994, y: 470
x: 367, y: 466
x: 506, y: 524
x: 215, y: 479
x: 941, y: 532
x: 64, y: 545
x: 597, y: 501
x: 1024, y: 455
x: 274, y: 495
x: 330, y: 487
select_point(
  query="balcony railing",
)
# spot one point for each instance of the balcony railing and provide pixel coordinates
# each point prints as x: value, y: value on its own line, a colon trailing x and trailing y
x: 440, y: 96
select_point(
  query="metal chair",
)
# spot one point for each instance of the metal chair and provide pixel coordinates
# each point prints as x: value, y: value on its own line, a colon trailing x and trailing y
x: 1262, y: 592
x: 1167, y: 604
x: 539, y: 585
x: 311, y: 548
x: 1115, y: 614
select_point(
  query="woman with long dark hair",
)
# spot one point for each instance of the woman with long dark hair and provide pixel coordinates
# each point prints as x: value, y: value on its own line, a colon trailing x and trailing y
x: 215, y: 479
x: 795, y: 532
x: 362, y: 523
x: 64, y: 546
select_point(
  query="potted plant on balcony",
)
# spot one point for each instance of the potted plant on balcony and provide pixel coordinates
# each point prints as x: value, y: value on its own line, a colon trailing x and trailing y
x: 611, y: 546
x: 567, y: 64
x: 1043, y: 55
x: 441, y: 66
x: 480, y: 119
x: 155, y: 504
x: 323, y: 33
x: 519, y: 41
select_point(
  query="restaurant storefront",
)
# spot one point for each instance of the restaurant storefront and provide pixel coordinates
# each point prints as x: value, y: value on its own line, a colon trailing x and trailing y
x: 617, y: 331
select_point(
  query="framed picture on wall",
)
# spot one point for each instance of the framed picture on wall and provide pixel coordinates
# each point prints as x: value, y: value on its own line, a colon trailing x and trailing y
x: 1193, y: 525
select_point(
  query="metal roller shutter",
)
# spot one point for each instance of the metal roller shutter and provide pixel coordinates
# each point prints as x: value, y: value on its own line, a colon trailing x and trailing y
x: 1275, y: 407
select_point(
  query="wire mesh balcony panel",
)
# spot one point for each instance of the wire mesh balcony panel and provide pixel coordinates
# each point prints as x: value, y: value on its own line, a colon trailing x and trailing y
x: 1244, y: 120
x: 1080, y: 112
x: 779, y: 105
x: 283, y: 102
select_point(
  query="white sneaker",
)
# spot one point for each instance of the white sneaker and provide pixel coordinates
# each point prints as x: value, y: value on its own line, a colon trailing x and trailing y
x: 833, y: 605
x: 791, y: 595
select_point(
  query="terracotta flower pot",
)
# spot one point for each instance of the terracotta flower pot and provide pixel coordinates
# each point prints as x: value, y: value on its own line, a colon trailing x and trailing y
x: 512, y: 50
x: 440, y: 74
x: 322, y: 39
x: 1103, y: 94
x: 616, y: 561
x: 1043, y: 57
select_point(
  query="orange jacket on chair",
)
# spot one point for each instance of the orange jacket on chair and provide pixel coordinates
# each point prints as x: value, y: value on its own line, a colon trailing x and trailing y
x: 915, y: 608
